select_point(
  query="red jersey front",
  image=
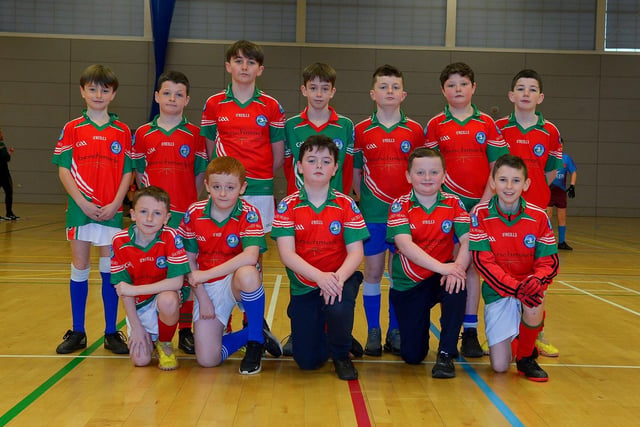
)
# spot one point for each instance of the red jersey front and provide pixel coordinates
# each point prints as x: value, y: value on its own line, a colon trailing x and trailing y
x: 171, y: 160
x: 432, y: 229
x: 246, y: 132
x: 383, y: 153
x: 163, y: 258
x: 468, y: 148
x: 217, y: 242
x: 540, y: 148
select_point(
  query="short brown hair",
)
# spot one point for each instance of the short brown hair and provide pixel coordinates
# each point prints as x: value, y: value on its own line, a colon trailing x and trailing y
x: 175, y: 77
x: 421, y: 152
x: 248, y: 49
x: 386, y: 70
x: 152, y: 191
x: 324, y: 72
x: 511, y: 161
x: 456, y: 68
x: 100, y: 75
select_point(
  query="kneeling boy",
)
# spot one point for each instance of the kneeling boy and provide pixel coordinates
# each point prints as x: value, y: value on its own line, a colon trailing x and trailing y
x: 424, y: 225
x: 319, y: 233
x: 147, y: 268
x: 514, y: 250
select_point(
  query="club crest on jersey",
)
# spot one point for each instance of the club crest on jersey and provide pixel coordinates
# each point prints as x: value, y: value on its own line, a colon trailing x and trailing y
x: 538, y: 150
x: 461, y: 204
x: 261, y: 120
x: 116, y: 148
x: 338, y: 143
x: 405, y: 146
x: 178, y: 242
x: 187, y: 217
x: 61, y: 135
x: 252, y: 217
x: 281, y: 109
x: 446, y: 226
x: 474, y: 220
x: 282, y: 207
x: 396, y: 207
x: 354, y: 207
x: 185, y: 150
x: 233, y: 240
x: 481, y: 138
x: 529, y: 241
x: 335, y: 227
x: 161, y: 262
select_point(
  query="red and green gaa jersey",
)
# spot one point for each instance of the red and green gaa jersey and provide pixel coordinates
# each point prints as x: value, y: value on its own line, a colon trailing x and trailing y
x: 171, y: 160
x: 432, y: 229
x: 246, y: 132
x: 507, y: 249
x: 98, y: 157
x: 383, y: 153
x: 163, y: 258
x: 217, y: 242
x: 540, y: 148
x: 321, y: 234
x: 339, y: 128
x: 468, y: 148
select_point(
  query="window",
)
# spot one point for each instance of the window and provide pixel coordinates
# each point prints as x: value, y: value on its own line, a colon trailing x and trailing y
x: 622, y: 31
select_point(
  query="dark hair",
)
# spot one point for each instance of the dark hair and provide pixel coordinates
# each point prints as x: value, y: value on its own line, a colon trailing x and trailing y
x: 511, y: 161
x: 248, y: 49
x: 456, y: 68
x: 421, y: 152
x: 527, y: 74
x: 100, y: 75
x: 324, y: 72
x: 152, y: 191
x: 386, y: 70
x: 319, y: 141
x: 175, y: 77
x: 228, y: 166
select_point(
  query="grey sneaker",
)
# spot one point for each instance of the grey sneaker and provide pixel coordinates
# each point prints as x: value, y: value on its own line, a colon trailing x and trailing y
x: 392, y: 342
x: 374, y: 343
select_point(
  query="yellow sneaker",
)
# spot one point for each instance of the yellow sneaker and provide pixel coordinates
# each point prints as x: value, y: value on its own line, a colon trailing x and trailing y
x: 545, y: 348
x: 166, y: 357
x: 485, y: 348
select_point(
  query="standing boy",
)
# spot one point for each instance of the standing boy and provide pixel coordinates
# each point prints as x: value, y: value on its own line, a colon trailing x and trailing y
x: 470, y: 143
x: 514, y: 250
x: 559, y: 194
x: 6, y: 182
x: 382, y: 144
x: 94, y: 166
x: 319, y: 234
x: 170, y: 153
x: 147, y: 268
x: 319, y: 118
x: 246, y: 123
x: 425, y: 225
x: 223, y: 237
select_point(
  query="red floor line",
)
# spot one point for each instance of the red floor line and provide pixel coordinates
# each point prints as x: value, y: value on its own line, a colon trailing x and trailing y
x: 359, y: 407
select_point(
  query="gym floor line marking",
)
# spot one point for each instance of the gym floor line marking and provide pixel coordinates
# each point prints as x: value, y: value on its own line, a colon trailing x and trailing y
x: 622, y: 307
x: 274, y: 300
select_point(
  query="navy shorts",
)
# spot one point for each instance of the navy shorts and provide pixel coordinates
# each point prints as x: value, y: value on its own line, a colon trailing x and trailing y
x: 377, y: 242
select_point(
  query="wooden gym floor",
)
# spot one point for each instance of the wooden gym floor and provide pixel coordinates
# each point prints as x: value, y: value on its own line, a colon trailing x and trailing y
x: 594, y: 318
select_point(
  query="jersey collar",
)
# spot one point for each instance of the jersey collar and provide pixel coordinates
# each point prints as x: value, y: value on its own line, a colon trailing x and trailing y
x: 230, y: 97
x: 495, y: 212
x: 305, y: 115
x: 132, y: 237
x: 112, y: 118
x: 376, y: 123
x: 182, y: 125
x: 448, y: 116
x: 331, y: 196
x: 416, y: 202
x: 539, y: 124
x: 235, y: 213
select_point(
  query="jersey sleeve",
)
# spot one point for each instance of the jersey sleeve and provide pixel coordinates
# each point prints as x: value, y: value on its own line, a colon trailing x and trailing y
x: 252, y: 233
x: 63, y: 153
x: 283, y: 223
x: 430, y: 135
x: 461, y: 221
x: 398, y: 221
x: 139, y: 150
x: 276, y: 122
x: 208, y: 123
x: 348, y: 163
x: 188, y: 233
x: 546, y: 262
x: 496, y: 145
x: 354, y: 226
x: 201, y: 161
x: 119, y: 271
x: 177, y: 262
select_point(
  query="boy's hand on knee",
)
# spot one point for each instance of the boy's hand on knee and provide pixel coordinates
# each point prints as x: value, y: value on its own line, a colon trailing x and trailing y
x: 530, y: 291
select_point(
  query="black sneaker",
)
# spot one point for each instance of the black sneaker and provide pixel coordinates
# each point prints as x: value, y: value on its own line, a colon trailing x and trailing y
x: 271, y: 343
x: 528, y: 367
x: 345, y: 369
x: 72, y: 341
x: 12, y: 217
x: 374, y: 343
x: 444, y: 366
x: 251, y: 363
x: 186, y: 342
x: 470, y: 346
x: 356, y: 348
x: 392, y: 342
x: 287, y: 348
x: 564, y: 246
x: 116, y: 342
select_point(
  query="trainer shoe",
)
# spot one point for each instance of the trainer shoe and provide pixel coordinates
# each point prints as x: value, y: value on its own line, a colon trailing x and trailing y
x: 345, y: 369
x: 374, y: 343
x: 12, y: 217
x: 186, y: 342
x: 116, y: 342
x: 470, y: 345
x: 251, y: 363
x: 287, y: 348
x: 166, y: 357
x: 528, y: 367
x: 444, y: 366
x: 545, y: 348
x: 565, y: 246
x: 356, y: 348
x: 271, y: 343
x: 392, y: 342
x: 72, y: 341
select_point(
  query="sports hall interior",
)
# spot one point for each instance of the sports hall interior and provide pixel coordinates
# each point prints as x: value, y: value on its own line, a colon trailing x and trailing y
x: 591, y: 94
